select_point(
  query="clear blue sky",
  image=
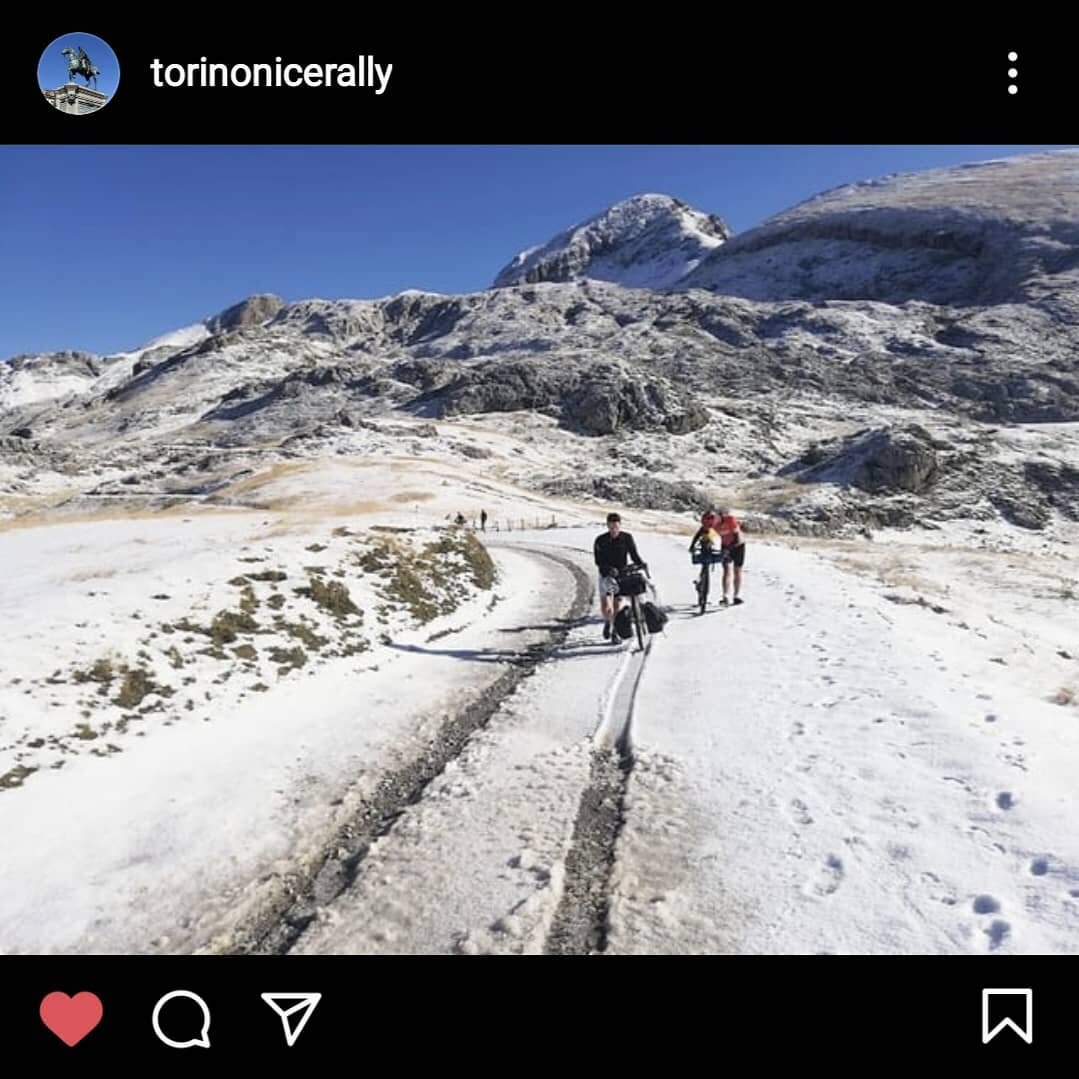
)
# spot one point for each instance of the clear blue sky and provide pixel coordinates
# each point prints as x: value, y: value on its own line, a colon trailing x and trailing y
x: 103, y: 248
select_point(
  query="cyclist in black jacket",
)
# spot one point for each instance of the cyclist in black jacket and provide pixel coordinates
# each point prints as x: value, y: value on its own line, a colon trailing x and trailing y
x: 613, y: 549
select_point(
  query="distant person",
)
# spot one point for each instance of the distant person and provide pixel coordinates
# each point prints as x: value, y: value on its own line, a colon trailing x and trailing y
x: 460, y: 518
x: 483, y: 520
x: 613, y: 550
x: 722, y: 523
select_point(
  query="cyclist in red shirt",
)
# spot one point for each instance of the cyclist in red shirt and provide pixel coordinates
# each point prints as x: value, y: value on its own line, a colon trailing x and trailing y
x: 724, y: 524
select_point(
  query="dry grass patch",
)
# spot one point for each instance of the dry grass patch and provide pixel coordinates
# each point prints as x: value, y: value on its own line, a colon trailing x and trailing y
x: 53, y: 516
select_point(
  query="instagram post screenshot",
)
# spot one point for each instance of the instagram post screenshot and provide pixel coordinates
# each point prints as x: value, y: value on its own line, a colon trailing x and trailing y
x: 474, y: 490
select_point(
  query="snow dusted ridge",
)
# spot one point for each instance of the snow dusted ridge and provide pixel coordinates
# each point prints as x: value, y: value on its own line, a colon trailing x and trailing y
x: 172, y: 341
x: 826, y: 416
x: 35, y: 380
x: 984, y: 233
x: 27, y: 381
x: 648, y: 241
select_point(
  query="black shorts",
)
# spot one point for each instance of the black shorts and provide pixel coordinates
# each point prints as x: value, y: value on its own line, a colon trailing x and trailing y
x: 737, y: 555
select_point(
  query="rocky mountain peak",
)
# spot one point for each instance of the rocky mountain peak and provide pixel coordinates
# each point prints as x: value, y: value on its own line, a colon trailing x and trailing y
x: 647, y: 241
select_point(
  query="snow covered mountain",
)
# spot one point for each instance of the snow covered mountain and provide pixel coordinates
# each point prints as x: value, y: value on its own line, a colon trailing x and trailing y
x: 980, y: 234
x: 648, y: 241
x: 831, y: 413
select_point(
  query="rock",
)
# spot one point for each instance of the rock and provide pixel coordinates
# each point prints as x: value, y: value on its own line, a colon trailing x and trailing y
x: 599, y: 408
x: 605, y: 402
x: 249, y: 312
x: 693, y: 418
x: 1029, y: 513
x: 466, y: 449
x: 11, y: 444
x: 644, y: 492
x: 499, y: 387
x: 876, y: 461
x: 814, y: 455
x: 1058, y: 482
x: 902, y: 461
x: 424, y: 374
x: 590, y: 400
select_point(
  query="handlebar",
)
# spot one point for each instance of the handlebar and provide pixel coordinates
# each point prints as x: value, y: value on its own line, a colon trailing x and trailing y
x: 716, y: 552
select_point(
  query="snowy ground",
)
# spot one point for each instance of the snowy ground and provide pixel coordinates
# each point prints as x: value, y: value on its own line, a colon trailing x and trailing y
x: 824, y: 769
x: 123, y: 746
x: 849, y: 773
x: 875, y: 753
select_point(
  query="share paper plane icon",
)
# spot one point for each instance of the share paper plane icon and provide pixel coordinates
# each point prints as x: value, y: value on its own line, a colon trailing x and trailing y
x: 294, y: 1009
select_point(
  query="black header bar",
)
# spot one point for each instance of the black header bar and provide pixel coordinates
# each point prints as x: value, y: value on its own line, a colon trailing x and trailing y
x: 532, y: 78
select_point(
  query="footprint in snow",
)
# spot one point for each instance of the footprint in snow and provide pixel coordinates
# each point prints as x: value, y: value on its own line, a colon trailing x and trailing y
x: 829, y: 877
x: 959, y: 781
x: 1006, y: 800
x: 1039, y: 867
x: 986, y: 904
x: 997, y: 933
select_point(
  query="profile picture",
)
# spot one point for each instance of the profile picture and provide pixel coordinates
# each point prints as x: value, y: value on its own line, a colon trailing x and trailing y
x: 78, y: 73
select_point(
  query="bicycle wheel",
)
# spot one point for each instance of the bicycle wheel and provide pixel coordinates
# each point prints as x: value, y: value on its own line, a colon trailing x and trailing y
x: 637, y: 622
x: 702, y: 586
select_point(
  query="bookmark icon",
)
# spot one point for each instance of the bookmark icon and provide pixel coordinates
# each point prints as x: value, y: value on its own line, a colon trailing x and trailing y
x: 1001, y: 1008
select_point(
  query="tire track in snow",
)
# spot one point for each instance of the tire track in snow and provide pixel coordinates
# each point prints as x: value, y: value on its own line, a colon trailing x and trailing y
x: 581, y: 922
x: 399, y: 789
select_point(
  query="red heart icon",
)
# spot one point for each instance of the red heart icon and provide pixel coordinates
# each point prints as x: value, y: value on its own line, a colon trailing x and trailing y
x: 71, y: 1018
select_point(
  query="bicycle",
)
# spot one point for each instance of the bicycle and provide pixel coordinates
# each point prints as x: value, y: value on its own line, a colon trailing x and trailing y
x: 706, y: 558
x: 632, y: 581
